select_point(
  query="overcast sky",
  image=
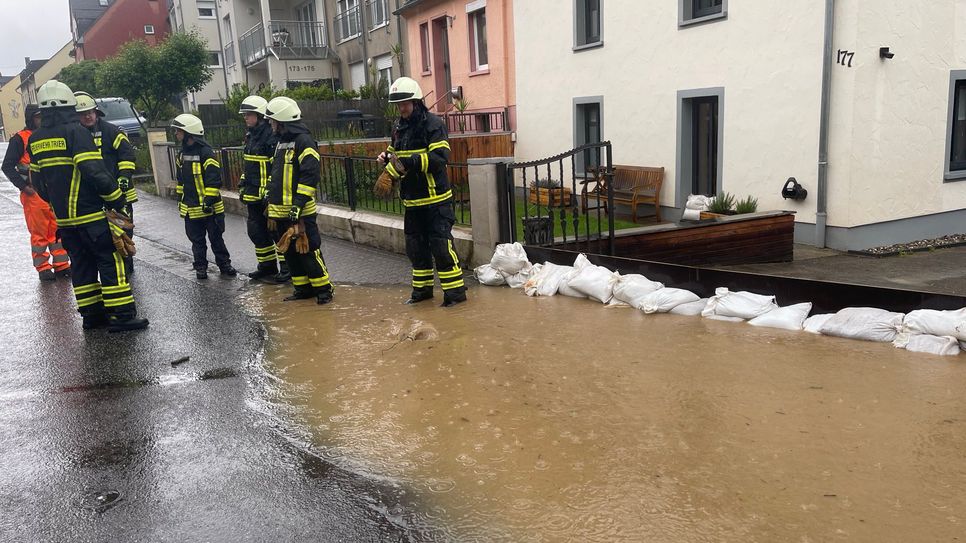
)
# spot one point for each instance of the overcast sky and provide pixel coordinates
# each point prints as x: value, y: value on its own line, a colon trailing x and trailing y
x: 31, y: 28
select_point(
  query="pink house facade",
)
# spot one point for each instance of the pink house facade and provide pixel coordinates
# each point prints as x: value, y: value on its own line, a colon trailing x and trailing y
x: 461, y: 53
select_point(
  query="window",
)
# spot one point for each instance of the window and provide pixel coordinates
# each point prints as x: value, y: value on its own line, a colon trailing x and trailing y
x: 206, y: 9
x: 347, y: 20
x: 699, y: 11
x: 214, y: 59
x: 384, y: 70
x: 309, y: 31
x: 424, y: 46
x: 378, y: 13
x: 956, y: 133
x: 588, y: 129
x: 149, y: 29
x: 477, y: 22
x: 587, y: 32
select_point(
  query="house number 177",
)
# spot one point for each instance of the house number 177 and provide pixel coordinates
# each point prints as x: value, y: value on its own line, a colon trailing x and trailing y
x: 845, y: 58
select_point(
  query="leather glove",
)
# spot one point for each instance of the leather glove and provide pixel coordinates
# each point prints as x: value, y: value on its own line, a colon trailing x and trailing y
x: 123, y: 183
x: 383, y: 187
x: 398, y: 165
x: 283, y: 243
x: 119, y: 245
x: 293, y: 213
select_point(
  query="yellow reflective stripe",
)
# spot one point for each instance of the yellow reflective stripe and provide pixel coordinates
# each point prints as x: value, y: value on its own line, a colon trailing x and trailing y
x: 34, y: 167
x: 425, y: 163
x: 198, y: 179
x: 428, y: 201
x: 452, y: 254
x: 310, y: 152
x: 306, y: 190
x: 89, y: 301
x: 300, y: 280
x: 410, y: 152
x: 120, y: 137
x: 112, y: 196
x: 89, y: 155
x: 392, y: 170
x: 439, y: 145
x: 119, y: 270
x: 249, y: 198
x: 418, y: 284
x: 84, y: 289
x: 83, y: 219
x: 55, y: 161
x: 319, y: 281
x: 179, y: 189
x: 451, y: 286
x: 287, y: 179
x: 450, y: 274
x: 431, y: 184
x: 74, y: 193
x: 115, y: 229
x: 212, y: 162
x: 212, y: 191
x: 115, y: 302
x: 390, y: 149
x: 131, y: 195
x: 325, y: 272
x: 117, y: 289
x: 125, y: 165
x: 257, y: 158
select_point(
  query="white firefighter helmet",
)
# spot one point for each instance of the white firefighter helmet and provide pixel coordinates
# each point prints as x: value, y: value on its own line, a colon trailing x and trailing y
x: 85, y: 102
x: 404, y: 89
x: 55, y: 94
x: 189, y: 123
x: 283, y: 109
x: 253, y: 104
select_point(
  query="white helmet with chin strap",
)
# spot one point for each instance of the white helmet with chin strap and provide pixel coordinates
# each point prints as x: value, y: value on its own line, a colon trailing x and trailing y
x: 253, y: 104
x: 55, y: 94
x: 189, y: 123
x: 283, y: 109
x: 405, y: 89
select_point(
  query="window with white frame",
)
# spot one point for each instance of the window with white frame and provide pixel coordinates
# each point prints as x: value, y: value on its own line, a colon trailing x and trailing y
x: 149, y: 29
x: 424, y: 46
x: 956, y: 131
x: 587, y: 31
x: 206, y: 9
x: 477, y: 24
x: 214, y: 59
x: 699, y: 11
x: 384, y: 70
x: 347, y: 19
x: 309, y: 31
x: 378, y: 13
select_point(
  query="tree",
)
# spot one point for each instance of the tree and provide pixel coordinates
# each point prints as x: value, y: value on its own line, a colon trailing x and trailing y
x: 150, y: 77
x: 81, y: 77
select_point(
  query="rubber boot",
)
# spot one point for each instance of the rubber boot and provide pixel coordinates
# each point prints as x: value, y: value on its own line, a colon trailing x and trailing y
x: 47, y: 275
x: 63, y: 273
x: 126, y: 323
x: 97, y: 320
x: 201, y: 274
x: 453, y: 297
x: 420, y: 295
x: 264, y: 271
x: 228, y: 271
x: 324, y: 296
x: 284, y: 275
x: 298, y: 295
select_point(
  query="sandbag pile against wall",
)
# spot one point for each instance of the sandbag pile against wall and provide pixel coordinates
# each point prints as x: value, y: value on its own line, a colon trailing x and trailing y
x: 632, y: 287
x: 666, y: 299
x: 595, y: 282
x: 790, y: 317
x: 744, y: 305
x: 867, y: 323
x: 545, y: 280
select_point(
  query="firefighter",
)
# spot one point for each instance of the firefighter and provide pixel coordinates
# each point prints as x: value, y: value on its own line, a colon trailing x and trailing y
x: 296, y: 174
x: 41, y: 223
x: 116, y: 151
x: 199, y: 181
x: 416, y: 158
x: 260, y: 143
x: 69, y: 174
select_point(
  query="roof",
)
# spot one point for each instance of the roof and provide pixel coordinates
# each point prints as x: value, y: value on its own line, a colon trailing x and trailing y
x: 4, y: 79
x: 411, y: 4
x: 32, y: 67
x: 86, y: 12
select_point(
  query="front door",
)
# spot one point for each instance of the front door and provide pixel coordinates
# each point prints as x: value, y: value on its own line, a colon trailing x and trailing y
x: 441, y: 65
x: 704, y: 146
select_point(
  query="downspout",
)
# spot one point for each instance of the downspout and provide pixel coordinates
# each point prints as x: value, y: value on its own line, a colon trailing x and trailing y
x: 821, y: 211
x: 221, y: 51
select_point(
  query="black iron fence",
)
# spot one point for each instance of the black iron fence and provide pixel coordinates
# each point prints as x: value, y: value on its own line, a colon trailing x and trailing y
x: 561, y: 199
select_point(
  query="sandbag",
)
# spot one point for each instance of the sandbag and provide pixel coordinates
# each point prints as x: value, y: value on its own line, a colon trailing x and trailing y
x: 697, y: 202
x: 936, y: 323
x: 631, y: 288
x: 666, y: 299
x: 545, y: 280
x: 487, y: 275
x: 746, y: 305
x: 927, y: 343
x: 691, y: 309
x: 725, y: 318
x: 813, y: 324
x: 595, y: 282
x: 517, y: 280
x: 791, y: 317
x: 866, y: 323
x: 509, y: 258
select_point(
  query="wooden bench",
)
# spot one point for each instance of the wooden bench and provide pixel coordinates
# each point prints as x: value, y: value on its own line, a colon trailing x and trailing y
x: 633, y: 185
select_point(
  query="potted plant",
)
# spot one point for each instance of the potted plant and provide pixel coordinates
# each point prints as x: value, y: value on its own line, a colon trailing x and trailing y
x: 721, y: 205
x: 748, y: 205
x: 548, y: 192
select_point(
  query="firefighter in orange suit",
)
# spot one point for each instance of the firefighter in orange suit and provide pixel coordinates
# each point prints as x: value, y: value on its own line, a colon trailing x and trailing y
x: 50, y: 258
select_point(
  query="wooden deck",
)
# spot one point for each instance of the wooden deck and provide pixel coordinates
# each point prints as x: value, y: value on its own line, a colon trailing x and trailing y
x: 740, y: 239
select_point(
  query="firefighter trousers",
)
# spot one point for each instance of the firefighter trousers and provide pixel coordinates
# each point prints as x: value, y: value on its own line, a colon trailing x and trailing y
x: 309, y: 274
x: 265, y: 251
x: 213, y: 227
x: 429, y: 238
x: 98, y: 275
x: 47, y: 250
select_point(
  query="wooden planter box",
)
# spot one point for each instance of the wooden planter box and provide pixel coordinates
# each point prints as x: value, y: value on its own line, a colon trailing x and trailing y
x: 710, y: 215
x: 550, y: 197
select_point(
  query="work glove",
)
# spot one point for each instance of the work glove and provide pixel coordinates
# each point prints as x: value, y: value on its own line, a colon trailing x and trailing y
x: 283, y: 243
x: 293, y: 213
x: 124, y: 183
x: 383, y: 187
x: 301, y: 240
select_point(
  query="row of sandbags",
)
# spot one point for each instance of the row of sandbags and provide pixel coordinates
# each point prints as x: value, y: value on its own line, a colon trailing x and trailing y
x: 924, y: 330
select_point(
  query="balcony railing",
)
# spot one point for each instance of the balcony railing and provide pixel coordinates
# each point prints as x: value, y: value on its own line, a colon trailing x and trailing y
x: 230, y: 54
x: 378, y: 13
x: 348, y: 24
x: 288, y: 40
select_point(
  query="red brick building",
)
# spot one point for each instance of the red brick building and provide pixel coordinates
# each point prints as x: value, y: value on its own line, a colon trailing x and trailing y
x: 120, y: 22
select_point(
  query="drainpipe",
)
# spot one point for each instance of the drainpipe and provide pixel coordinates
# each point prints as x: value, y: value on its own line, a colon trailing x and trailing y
x: 821, y: 214
x: 221, y: 51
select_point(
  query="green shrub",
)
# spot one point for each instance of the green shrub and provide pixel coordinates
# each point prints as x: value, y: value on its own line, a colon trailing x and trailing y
x: 748, y: 205
x: 722, y: 203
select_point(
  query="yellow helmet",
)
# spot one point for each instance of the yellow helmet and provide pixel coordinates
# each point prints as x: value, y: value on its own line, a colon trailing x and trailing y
x: 85, y: 102
x: 253, y: 104
x: 405, y: 89
x: 55, y: 94
x: 189, y: 123
x: 283, y: 109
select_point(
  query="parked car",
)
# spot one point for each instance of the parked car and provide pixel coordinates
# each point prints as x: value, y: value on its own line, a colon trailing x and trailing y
x: 120, y: 112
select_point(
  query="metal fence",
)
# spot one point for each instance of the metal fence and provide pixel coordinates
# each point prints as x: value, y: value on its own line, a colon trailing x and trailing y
x: 479, y: 121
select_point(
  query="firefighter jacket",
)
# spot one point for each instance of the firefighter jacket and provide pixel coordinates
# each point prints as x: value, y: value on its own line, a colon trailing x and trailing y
x: 17, y: 160
x: 117, y: 152
x: 420, y: 144
x: 296, y: 173
x: 259, y: 147
x: 68, y: 172
x: 199, y: 180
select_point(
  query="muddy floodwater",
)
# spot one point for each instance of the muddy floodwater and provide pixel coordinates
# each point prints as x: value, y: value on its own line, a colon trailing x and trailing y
x: 555, y: 419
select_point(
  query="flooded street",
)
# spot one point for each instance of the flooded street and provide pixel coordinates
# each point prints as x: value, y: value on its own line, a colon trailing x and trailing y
x: 555, y: 419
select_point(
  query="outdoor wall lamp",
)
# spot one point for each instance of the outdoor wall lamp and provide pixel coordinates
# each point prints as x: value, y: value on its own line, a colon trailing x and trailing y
x: 885, y: 53
x: 793, y: 190
x: 449, y: 20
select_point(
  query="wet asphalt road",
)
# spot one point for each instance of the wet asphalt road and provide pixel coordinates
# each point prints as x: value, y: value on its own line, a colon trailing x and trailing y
x: 102, y: 438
